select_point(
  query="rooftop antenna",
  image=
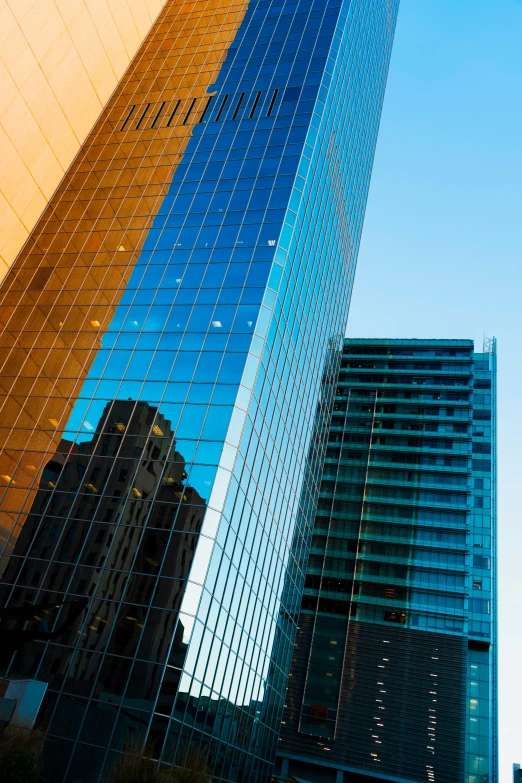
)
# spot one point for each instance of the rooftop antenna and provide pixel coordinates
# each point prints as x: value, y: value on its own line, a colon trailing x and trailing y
x: 490, y: 344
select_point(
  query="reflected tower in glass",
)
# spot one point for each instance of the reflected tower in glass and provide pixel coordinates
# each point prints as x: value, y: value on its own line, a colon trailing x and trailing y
x: 394, y: 674
x: 169, y: 333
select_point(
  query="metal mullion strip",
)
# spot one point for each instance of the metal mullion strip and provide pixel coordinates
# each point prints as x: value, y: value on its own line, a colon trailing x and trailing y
x: 221, y: 108
x: 129, y: 115
x: 143, y: 115
x: 254, y: 107
x: 173, y: 113
x: 205, y: 110
x: 158, y: 115
x: 271, y: 106
x: 189, y: 112
x: 238, y: 107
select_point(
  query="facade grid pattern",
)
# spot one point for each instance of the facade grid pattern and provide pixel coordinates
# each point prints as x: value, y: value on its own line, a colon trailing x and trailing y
x: 394, y: 667
x: 170, y: 332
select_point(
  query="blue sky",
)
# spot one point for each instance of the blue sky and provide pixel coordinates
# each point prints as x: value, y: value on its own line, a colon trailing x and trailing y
x: 441, y: 254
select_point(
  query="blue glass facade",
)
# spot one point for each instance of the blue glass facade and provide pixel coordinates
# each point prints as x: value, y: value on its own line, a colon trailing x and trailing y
x: 394, y: 666
x: 177, y: 500
x: 481, y: 732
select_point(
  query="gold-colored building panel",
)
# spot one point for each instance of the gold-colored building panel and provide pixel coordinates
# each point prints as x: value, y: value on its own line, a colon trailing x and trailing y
x: 60, y: 60
x: 63, y: 289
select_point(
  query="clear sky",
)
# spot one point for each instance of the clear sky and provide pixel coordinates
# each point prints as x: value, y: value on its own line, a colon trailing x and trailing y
x: 441, y: 254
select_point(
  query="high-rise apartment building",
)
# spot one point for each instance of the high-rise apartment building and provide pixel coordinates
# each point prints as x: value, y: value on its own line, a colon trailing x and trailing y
x: 59, y: 63
x: 170, y: 331
x: 393, y: 674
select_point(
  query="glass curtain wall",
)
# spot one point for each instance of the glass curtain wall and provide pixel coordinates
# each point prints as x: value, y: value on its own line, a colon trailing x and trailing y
x: 393, y: 670
x: 481, y: 735
x: 170, y: 330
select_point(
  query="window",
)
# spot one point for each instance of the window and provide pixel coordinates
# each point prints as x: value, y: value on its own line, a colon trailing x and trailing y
x: 484, y: 465
x: 187, y: 115
x: 479, y: 605
x: 240, y: 101
x: 395, y: 617
x: 143, y: 115
x: 254, y: 107
x: 207, y: 106
x: 173, y: 113
x: 223, y: 104
x: 274, y: 96
x: 291, y: 94
x: 129, y: 115
x: 158, y: 115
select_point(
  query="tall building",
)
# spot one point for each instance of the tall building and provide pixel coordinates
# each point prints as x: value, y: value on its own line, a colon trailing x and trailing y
x: 171, y: 335
x: 59, y: 64
x: 393, y: 674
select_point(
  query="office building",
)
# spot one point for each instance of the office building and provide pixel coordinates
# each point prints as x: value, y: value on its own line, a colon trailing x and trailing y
x: 170, y: 331
x: 393, y: 673
x: 60, y: 62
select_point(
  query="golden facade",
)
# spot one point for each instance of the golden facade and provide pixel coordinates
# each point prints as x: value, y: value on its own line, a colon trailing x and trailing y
x: 63, y: 289
x: 60, y: 60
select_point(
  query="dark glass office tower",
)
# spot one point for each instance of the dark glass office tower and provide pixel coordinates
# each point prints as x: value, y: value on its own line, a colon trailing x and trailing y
x: 393, y: 673
x: 169, y: 332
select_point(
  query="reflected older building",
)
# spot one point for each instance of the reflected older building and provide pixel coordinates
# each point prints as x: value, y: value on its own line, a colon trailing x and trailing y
x: 175, y: 311
x: 118, y: 529
x: 122, y: 531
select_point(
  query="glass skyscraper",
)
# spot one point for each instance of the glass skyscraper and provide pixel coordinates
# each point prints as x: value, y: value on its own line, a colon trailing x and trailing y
x: 393, y: 674
x: 171, y: 335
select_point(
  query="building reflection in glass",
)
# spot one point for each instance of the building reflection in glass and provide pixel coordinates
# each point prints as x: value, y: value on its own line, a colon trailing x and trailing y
x: 220, y: 303
x: 114, y: 520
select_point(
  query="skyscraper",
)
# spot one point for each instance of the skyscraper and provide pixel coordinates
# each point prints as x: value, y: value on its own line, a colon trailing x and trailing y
x: 171, y: 333
x: 394, y: 666
x: 60, y: 63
